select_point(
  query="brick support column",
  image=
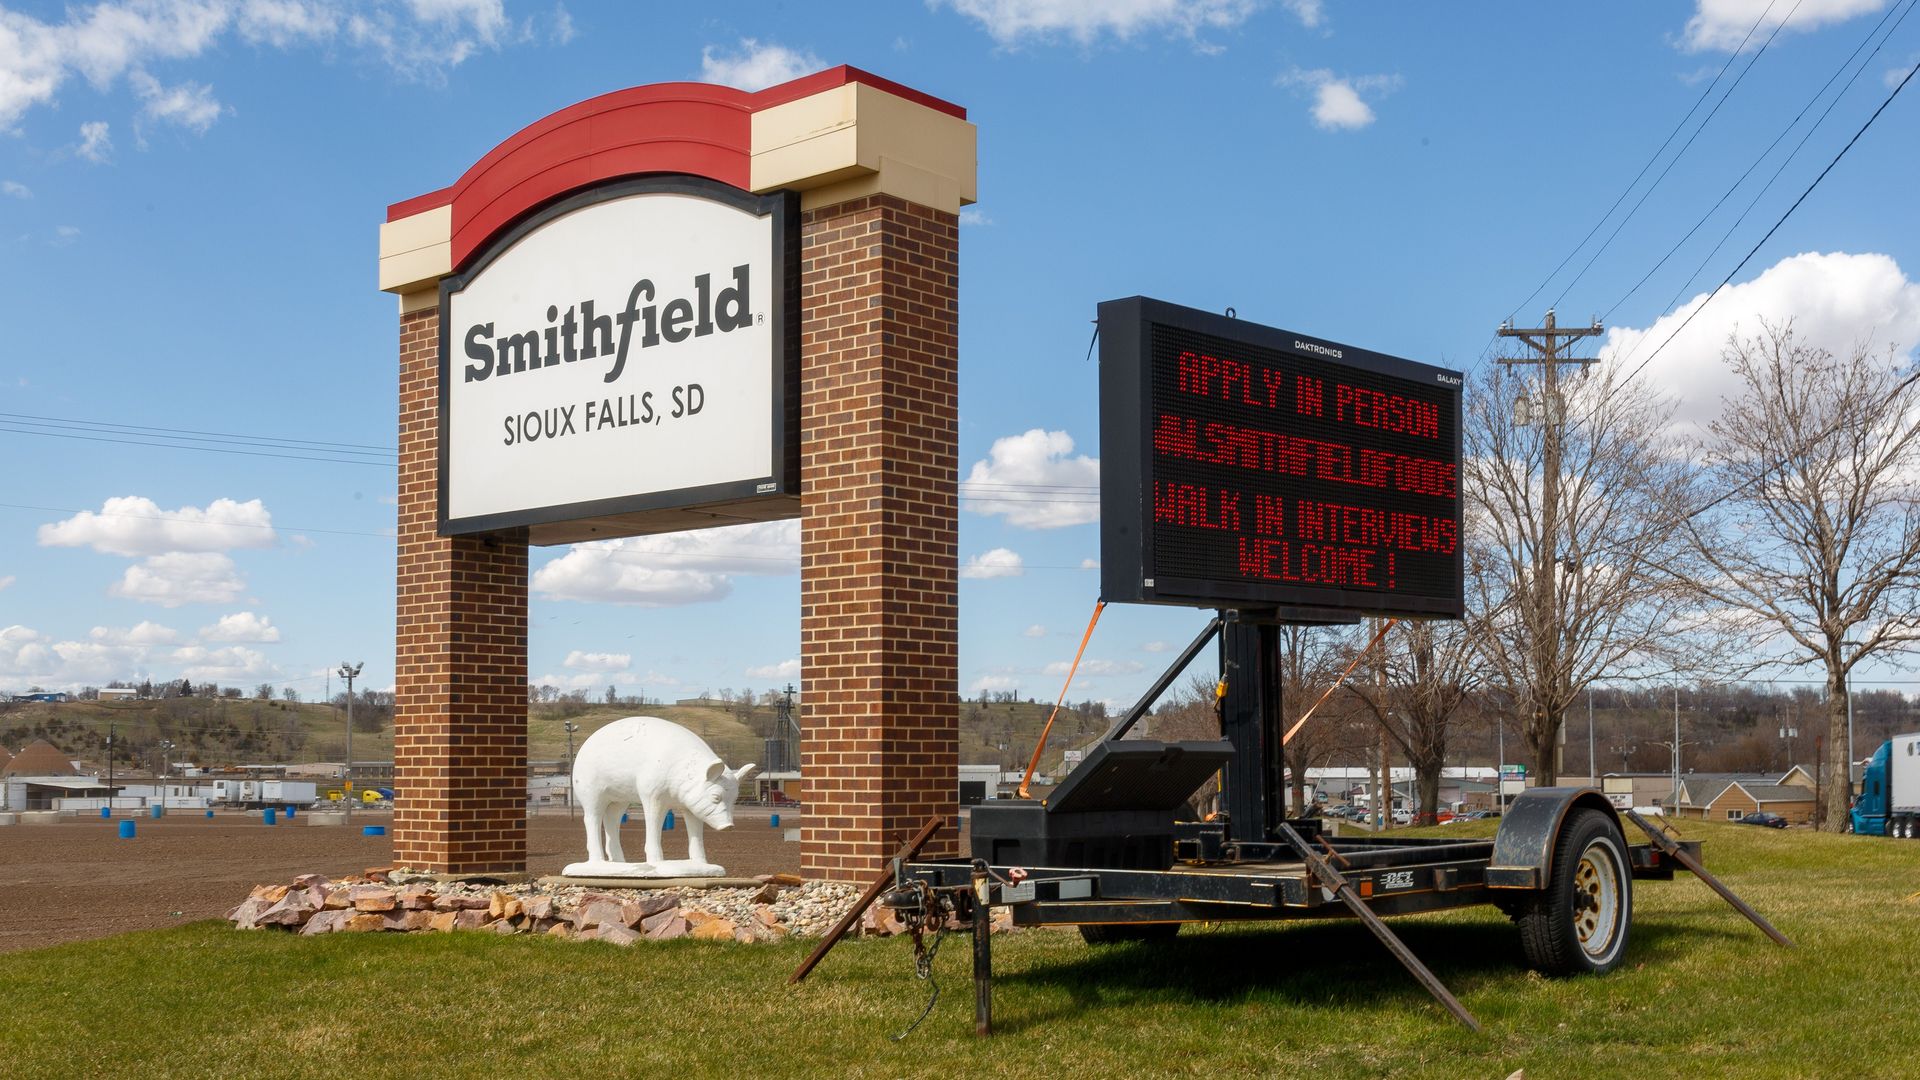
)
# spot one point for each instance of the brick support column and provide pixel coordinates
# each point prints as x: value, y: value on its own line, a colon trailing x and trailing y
x: 460, y: 701
x: 879, y: 469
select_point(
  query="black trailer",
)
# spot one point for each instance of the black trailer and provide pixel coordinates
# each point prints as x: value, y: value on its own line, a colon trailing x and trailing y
x: 1111, y: 852
x: 1559, y: 866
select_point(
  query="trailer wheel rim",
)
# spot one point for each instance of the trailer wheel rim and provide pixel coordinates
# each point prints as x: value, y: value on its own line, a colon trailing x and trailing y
x: 1596, y: 908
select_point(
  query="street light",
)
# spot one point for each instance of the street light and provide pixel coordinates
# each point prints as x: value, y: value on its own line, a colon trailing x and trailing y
x: 166, y: 766
x: 571, y: 728
x: 349, y: 672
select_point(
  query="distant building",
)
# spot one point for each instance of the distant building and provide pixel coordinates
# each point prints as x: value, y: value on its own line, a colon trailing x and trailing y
x: 119, y: 693
x: 39, y: 758
x: 52, y: 696
x: 1731, y: 796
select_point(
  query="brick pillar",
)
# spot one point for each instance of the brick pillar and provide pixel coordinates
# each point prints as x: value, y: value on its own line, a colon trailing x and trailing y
x: 460, y: 700
x: 879, y: 460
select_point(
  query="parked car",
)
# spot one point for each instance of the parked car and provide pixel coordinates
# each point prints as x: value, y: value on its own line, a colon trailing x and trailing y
x: 1402, y: 817
x: 1763, y: 817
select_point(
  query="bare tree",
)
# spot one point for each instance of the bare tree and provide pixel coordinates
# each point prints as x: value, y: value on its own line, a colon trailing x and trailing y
x: 1816, y: 542
x: 1311, y: 657
x: 1432, y: 671
x: 1573, y: 581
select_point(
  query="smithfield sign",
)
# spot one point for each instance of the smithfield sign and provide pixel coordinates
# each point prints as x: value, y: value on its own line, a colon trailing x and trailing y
x: 622, y: 362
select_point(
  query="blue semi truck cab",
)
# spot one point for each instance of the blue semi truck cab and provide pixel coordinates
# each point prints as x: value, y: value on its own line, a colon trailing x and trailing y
x: 1889, y: 799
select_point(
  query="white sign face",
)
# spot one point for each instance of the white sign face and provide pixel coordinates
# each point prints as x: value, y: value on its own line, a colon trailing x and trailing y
x: 623, y: 354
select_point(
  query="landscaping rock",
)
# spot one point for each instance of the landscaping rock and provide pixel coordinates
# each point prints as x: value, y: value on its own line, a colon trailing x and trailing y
x: 670, y: 926
x: 442, y: 921
x: 470, y: 919
x: 326, y: 922
x: 618, y: 935
x: 365, y: 922
x: 715, y: 929
x: 371, y: 898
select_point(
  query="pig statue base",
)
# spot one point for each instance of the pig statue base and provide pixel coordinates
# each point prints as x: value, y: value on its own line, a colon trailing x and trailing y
x: 664, y: 768
x: 670, y: 868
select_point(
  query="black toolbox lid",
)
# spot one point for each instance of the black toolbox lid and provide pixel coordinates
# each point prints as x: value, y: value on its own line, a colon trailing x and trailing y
x: 1139, y: 774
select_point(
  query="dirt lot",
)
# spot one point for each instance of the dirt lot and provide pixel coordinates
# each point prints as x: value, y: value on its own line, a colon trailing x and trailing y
x: 77, y: 879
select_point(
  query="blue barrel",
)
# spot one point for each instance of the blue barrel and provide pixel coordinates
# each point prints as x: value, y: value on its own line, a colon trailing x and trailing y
x: 289, y: 813
x: 623, y: 819
x: 267, y: 815
x: 106, y: 811
x: 209, y: 813
x: 668, y: 823
x: 156, y: 811
x: 126, y: 829
x: 374, y: 830
x: 776, y: 821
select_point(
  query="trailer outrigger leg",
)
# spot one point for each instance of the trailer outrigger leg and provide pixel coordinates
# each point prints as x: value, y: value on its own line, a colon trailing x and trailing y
x: 1336, y: 882
x: 1685, y: 858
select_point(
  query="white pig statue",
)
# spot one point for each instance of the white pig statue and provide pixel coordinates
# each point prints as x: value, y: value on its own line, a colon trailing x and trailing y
x: 662, y: 766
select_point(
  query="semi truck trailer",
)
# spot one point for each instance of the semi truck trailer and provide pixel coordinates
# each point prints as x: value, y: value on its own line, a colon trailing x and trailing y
x: 1889, y: 799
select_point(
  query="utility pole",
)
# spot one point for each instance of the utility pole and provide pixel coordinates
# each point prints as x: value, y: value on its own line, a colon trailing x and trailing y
x: 1549, y: 344
x: 349, y: 672
x: 111, y: 726
x: 571, y: 728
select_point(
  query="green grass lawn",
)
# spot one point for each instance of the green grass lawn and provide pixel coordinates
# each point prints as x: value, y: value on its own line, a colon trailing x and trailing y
x: 1702, y: 994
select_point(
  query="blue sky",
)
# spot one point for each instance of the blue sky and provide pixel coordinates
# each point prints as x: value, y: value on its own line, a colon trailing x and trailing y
x: 189, y: 196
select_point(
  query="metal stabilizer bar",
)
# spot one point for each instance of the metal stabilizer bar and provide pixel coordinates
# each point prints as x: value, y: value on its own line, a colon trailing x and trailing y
x: 1679, y: 854
x: 907, y: 851
x: 1324, y: 872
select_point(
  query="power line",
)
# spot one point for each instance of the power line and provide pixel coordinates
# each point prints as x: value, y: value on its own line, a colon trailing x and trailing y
x: 203, y: 449
x: 257, y: 439
x: 1784, y: 132
x: 1628, y: 190
x: 1702, y: 306
x: 1735, y: 85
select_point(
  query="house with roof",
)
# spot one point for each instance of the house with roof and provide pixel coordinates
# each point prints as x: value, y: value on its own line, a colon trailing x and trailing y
x: 1731, y: 796
x: 39, y: 775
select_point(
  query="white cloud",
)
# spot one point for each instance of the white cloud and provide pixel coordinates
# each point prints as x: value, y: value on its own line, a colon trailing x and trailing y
x: 96, y: 142
x: 995, y: 682
x: 1030, y: 480
x: 190, y: 105
x: 1311, y: 13
x: 1095, y: 667
x: 973, y: 216
x: 1897, y: 75
x: 241, y: 626
x: 15, y: 189
x: 1012, y: 21
x: 563, y: 30
x: 1036, y: 630
x: 1836, y: 301
x: 64, y: 235
x: 785, y: 669
x: 1723, y: 24
x: 178, y: 578
x: 24, y: 653
x: 597, y: 661
x: 236, y: 663
x: 1156, y: 647
x: 134, y: 525
x: 283, y: 23
x: 757, y: 66
x: 118, y: 39
x: 673, y: 568
x: 1337, y: 101
x: 998, y: 563
x: 143, y: 633
x: 1089, y: 564
x: 6, y: 581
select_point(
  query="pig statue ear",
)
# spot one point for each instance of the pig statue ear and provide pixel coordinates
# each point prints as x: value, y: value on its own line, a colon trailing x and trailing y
x: 715, y: 769
x: 745, y: 771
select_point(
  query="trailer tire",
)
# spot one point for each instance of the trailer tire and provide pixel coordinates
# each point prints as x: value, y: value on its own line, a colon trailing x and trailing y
x: 1579, y: 923
x: 1118, y: 933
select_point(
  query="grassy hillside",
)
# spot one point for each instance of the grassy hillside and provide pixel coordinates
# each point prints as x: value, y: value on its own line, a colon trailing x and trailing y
x: 222, y: 732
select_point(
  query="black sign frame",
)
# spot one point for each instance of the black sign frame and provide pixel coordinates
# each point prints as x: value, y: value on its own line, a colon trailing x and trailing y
x: 782, y: 479
x: 1129, y: 568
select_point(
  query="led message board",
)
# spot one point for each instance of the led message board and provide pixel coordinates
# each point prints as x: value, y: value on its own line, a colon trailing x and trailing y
x: 1245, y: 466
